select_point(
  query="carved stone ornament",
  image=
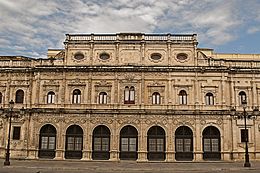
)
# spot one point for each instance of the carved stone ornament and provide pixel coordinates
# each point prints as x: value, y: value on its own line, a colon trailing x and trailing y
x: 215, y: 119
x: 101, y: 120
x: 156, y: 119
x: 184, y: 119
x: 129, y: 120
x: 77, y: 81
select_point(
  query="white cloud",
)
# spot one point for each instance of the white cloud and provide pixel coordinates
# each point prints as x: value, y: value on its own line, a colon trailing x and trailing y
x: 32, y: 26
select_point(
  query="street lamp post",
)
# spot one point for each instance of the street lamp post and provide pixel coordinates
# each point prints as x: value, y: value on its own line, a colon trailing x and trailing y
x: 245, y: 116
x: 9, y: 115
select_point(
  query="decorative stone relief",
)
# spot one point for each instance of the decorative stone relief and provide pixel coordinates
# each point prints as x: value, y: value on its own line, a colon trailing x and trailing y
x: 184, y: 119
x: 129, y: 120
x: 76, y: 81
x: 156, y: 119
x: 101, y: 120
x: 216, y: 119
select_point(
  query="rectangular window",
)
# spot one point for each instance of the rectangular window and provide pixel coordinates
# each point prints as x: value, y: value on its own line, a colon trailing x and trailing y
x: 207, y: 145
x: 44, y: 142
x: 179, y: 145
x: 244, y: 135
x: 187, y: 145
x: 215, y: 147
x: 132, y: 144
x: 105, y: 144
x: 152, y: 144
x: 97, y: 144
x: 51, y: 142
x: 16, y: 133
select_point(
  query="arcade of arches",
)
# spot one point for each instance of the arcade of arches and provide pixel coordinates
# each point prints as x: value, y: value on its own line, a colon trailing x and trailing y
x: 129, y: 143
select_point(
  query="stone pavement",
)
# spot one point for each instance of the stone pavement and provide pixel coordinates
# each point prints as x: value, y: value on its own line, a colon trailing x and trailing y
x: 72, y: 166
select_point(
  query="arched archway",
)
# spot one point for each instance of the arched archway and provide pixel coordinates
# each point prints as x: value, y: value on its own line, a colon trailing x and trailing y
x: 47, y: 142
x: 128, y: 143
x: 183, y: 143
x: 101, y: 143
x: 156, y: 143
x: 74, y: 142
x: 211, y: 143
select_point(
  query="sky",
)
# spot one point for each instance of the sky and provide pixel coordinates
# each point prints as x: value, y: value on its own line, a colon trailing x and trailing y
x: 31, y: 27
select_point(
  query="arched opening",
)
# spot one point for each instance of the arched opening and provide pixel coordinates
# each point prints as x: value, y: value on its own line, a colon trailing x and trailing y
x: 242, y: 97
x: 209, y: 99
x: 47, y: 142
x: 51, y: 97
x: 76, y: 96
x: 102, y: 98
x: 183, y: 97
x: 183, y: 143
x: 211, y: 143
x: 156, y: 98
x: 101, y: 143
x: 128, y: 143
x: 74, y: 142
x: 19, y: 96
x: 156, y: 143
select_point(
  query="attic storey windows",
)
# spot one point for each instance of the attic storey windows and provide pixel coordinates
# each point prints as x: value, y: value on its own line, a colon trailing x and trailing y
x: 129, y: 95
x: 79, y: 56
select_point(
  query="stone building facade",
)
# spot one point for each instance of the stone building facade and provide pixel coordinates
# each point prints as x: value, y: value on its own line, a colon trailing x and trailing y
x: 130, y: 96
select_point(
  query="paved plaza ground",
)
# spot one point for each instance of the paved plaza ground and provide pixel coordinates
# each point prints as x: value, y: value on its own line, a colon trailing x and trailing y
x: 68, y: 166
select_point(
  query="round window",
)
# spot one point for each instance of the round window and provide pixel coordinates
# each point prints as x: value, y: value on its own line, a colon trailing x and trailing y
x: 156, y: 56
x: 182, y: 56
x: 79, y: 56
x: 104, y: 56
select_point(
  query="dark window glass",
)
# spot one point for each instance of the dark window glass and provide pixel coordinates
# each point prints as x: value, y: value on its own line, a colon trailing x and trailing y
x: 1, y: 97
x: 79, y: 56
x: 74, y: 142
x: 184, y: 143
x: 104, y: 56
x: 128, y: 143
x: 156, y: 56
x: 211, y: 143
x: 47, y: 144
x: 156, y: 143
x: 182, y: 56
x: 101, y: 143
x: 19, y: 96
x: 244, y: 135
x: 16, y: 133
x: 242, y: 97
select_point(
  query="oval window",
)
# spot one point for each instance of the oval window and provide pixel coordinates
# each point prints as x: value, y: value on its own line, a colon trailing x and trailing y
x: 79, y: 56
x: 156, y: 56
x: 182, y: 56
x: 104, y: 56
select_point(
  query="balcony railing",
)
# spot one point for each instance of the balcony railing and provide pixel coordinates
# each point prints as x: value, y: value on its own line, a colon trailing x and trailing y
x: 131, y: 36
